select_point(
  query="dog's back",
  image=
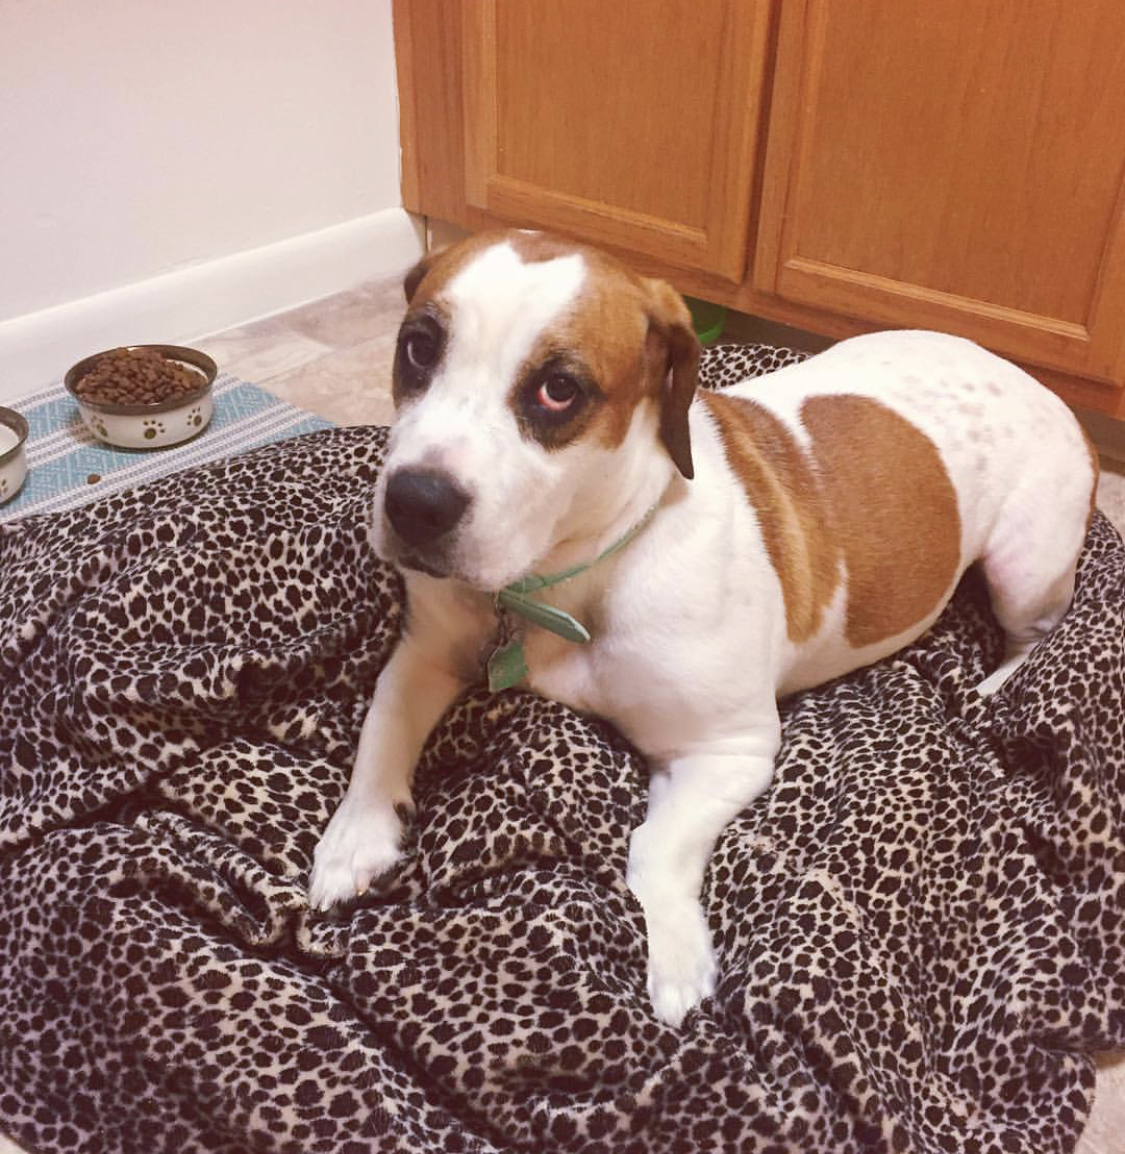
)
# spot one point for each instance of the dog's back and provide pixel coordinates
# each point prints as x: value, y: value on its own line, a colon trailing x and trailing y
x: 882, y: 468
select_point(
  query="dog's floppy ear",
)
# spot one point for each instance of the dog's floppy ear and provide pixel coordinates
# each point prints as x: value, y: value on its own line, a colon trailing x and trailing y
x: 670, y: 321
x: 416, y: 275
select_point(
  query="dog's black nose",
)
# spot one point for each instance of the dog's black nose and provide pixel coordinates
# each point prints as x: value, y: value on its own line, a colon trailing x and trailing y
x: 423, y: 505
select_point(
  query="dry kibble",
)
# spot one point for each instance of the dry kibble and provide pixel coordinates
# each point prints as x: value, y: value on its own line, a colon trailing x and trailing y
x: 136, y: 377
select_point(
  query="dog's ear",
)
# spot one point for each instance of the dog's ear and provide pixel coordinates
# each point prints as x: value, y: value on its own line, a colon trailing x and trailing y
x: 416, y: 275
x: 670, y: 324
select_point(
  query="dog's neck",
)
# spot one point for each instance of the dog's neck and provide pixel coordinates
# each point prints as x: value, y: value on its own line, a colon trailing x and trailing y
x: 584, y: 545
x: 587, y: 532
x: 536, y: 581
x: 507, y: 663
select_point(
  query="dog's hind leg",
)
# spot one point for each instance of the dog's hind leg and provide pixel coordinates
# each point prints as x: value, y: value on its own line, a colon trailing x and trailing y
x: 1031, y: 585
x: 691, y: 800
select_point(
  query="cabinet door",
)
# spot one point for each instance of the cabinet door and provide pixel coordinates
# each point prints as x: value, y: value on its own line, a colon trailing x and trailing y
x: 633, y: 124
x: 956, y: 165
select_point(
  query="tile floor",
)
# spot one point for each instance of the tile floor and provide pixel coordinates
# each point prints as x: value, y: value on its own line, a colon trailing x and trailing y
x: 333, y: 357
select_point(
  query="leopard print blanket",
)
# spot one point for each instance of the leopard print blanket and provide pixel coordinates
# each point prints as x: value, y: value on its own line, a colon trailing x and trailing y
x: 921, y: 926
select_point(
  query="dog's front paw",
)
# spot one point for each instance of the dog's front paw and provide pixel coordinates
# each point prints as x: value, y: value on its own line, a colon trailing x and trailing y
x: 362, y: 842
x: 681, y: 960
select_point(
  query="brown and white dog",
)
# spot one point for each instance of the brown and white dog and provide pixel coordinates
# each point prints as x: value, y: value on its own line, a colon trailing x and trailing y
x: 791, y: 529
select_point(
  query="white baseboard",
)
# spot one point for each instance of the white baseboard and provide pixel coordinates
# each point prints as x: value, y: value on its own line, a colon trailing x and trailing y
x: 182, y: 306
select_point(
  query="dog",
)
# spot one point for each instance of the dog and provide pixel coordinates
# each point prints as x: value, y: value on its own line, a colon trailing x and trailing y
x: 567, y: 512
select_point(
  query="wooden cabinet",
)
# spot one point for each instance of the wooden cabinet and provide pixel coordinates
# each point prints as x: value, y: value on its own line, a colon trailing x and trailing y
x: 955, y: 166
x: 841, y: 165
x: 574, y: 121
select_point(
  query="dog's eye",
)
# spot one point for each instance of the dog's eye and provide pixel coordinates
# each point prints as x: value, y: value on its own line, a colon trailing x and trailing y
x: 555, y: 402
x: 418, y: 353
x: 557, y: 393
x: 421, y: 349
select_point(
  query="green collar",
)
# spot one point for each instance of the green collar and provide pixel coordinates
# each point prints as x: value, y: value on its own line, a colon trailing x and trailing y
x: 507, y: 665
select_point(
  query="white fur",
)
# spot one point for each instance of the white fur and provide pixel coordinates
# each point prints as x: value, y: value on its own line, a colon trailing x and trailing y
x: 691, y: 649
x: 524, y: 500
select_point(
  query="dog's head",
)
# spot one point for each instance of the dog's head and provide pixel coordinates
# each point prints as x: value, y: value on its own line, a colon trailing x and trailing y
x: 538, y: 386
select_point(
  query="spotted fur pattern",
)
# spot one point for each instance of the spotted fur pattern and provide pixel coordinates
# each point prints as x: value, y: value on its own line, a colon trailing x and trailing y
x: 921, y: 926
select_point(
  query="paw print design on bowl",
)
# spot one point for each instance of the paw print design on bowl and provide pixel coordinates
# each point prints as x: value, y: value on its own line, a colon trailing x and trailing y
x: 148, y: 424
x: 95, y: 424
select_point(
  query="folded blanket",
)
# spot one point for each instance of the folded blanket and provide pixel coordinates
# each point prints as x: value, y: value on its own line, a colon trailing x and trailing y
x: 921, y: 926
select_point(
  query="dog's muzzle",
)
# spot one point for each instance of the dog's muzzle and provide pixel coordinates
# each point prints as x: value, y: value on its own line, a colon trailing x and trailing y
x: 424, y: 506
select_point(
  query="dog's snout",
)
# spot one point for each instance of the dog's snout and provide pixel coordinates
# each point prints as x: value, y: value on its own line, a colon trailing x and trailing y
x: 423, y: 505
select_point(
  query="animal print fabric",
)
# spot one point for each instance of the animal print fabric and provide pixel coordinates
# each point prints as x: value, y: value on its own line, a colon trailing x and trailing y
x: 920, y: 927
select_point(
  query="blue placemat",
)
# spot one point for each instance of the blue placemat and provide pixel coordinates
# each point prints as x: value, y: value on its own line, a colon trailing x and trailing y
x: 68, y: 466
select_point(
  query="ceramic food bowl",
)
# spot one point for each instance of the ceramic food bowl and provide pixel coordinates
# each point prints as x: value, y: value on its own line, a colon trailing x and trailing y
x: 148, y: 424
x: 13, y: 457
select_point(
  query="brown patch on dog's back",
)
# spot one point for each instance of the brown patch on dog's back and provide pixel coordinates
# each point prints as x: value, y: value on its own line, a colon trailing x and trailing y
x: 782, y: 485
x: 893, y: 510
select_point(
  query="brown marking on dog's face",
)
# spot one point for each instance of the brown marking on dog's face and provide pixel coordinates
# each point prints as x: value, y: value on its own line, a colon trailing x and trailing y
x: 427, y: 319
x: 625, y: 341
x: 429, y: 276
x: 892, y: 509
x: 421, y: 342
x: 599, y: 344
x: 782, y: 485
x: 629, y: 337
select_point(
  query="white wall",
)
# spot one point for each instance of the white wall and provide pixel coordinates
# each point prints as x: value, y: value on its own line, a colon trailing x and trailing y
x: 143, y: 139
